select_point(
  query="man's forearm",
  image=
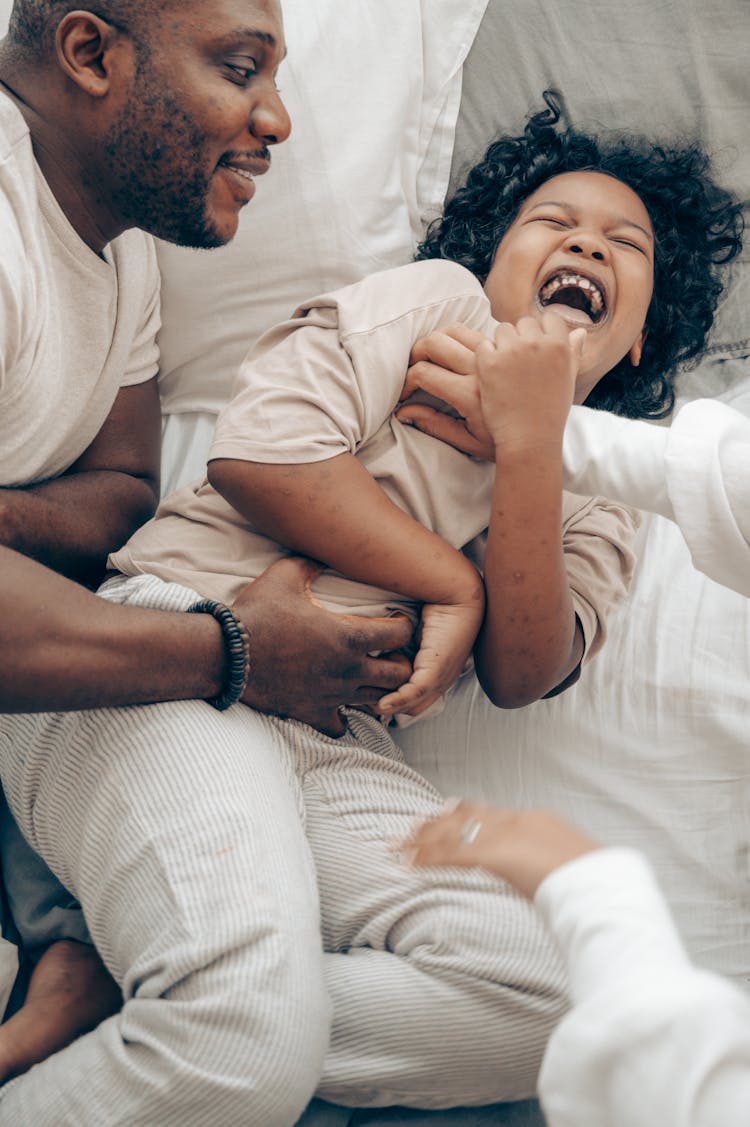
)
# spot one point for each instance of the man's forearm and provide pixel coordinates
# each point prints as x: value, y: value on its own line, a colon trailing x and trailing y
x: 61, y: 647
x: 73, y: 522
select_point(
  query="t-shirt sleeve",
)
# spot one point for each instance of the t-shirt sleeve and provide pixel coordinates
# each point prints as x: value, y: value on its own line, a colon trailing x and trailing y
x: 296, y: 398
x: 13, y: 282
x: 598, y: 550
x: 143, y: 279
x: 324, y: 382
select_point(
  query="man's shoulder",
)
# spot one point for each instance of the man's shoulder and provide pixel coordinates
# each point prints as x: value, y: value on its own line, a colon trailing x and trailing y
x: 134, y: 256
x: 17, y: 164
x: 13, y: 129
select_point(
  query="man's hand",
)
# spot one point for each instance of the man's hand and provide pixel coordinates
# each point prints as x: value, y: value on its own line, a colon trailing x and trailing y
x: 305, y: 662
x: 520, y: 846
x: 447, y: 636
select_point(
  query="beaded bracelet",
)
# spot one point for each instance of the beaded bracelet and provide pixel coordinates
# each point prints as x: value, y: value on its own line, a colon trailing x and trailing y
x: 237, y: 642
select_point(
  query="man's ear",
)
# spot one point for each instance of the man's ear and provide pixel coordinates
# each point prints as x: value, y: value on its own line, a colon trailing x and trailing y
x: 83, y: 43
x: 636, y: 349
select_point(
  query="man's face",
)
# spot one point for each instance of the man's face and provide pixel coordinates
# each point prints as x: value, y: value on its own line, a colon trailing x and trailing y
x: 581, y: 246
x: 194, y: 130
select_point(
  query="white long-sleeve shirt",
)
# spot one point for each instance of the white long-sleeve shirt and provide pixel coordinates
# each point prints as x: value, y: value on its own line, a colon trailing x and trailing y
x: 650, y: 1041
x: 696, y: 472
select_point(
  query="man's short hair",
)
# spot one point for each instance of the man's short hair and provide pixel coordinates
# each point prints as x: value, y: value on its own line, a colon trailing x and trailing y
x: 33, y: 23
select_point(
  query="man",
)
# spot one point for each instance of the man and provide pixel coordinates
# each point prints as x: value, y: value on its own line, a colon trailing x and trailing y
x: 156, y: 116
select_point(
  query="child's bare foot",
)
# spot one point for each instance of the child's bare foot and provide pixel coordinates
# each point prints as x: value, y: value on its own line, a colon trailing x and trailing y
x: 69, y: 993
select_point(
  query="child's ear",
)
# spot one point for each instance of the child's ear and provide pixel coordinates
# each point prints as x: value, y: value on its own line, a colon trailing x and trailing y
x: 636, y: 348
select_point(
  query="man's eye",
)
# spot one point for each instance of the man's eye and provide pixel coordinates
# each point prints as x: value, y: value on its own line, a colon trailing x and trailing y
x: 242, y: 72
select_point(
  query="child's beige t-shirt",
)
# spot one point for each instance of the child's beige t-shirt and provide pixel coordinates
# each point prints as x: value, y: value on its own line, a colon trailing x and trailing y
x: 326, y: 383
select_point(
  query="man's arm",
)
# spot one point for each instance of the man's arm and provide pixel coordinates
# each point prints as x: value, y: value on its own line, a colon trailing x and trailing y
x: 61, y: 647
x: 336, y: 512
x: 71, y: 523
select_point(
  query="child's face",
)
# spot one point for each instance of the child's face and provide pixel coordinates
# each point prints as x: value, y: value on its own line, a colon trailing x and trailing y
x: 581, y: 246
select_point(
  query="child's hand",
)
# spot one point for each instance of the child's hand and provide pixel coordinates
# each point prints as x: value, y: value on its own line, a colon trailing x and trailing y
x: 447, y: 635
x: 521, y: 846
x: 443, y: 364
x: 527, y: 380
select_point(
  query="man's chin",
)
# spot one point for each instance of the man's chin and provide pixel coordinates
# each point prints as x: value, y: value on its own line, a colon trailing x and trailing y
x: 208, y: 236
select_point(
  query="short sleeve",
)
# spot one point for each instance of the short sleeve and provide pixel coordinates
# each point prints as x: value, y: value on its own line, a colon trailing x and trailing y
x: 599, y: 559
x: 141, y: 284
x: 324, y: 382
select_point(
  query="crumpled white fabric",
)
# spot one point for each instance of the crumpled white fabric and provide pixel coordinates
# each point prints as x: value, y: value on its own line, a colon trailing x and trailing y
x: 649, y: 1039
x: 696, y: 472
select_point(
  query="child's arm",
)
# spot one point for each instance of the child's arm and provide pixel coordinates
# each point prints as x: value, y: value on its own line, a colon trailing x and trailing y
x: 531, y: 641
x: 334, y: 511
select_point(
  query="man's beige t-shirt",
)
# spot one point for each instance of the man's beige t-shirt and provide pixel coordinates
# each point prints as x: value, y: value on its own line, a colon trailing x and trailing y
x: 326, y: 383
x: 74, y: 327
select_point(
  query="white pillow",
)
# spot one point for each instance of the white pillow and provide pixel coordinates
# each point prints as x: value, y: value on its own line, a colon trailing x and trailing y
x: 373, y: 92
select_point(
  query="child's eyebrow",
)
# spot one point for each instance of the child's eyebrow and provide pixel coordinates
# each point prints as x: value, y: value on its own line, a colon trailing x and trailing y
x: 617, y: 220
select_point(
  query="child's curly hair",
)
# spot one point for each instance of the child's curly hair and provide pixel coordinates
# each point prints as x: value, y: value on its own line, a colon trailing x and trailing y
x: 697, y: 228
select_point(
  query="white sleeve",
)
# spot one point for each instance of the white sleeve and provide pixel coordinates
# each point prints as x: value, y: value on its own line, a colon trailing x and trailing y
x: 696, y: 472
x: 649, y: 1038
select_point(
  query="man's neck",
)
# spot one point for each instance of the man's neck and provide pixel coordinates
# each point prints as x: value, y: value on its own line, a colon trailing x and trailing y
x: 70, y: 177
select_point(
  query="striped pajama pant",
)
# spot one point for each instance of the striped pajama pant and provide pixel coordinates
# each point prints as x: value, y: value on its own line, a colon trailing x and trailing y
x: 198, y: 844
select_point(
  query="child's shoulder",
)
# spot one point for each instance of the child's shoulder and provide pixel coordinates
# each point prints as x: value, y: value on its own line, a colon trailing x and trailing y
x: 433, y: 277
x: 434, y: 289
x: 416, y: 297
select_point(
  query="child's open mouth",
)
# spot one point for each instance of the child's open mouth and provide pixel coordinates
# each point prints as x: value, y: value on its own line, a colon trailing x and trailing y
x: 578, y: 299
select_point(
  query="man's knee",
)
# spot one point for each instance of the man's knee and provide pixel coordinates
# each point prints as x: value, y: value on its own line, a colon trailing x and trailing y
x: 247, y: 1057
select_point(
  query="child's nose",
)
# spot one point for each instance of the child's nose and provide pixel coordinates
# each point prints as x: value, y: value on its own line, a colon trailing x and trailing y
x: 588, y: 245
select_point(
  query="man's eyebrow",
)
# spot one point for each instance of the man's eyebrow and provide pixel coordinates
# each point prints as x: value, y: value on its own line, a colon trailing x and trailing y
x: 618, y: 220
x: 241, y: 34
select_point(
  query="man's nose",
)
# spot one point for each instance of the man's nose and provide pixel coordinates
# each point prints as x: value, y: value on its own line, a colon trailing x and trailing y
x: 269, y: 120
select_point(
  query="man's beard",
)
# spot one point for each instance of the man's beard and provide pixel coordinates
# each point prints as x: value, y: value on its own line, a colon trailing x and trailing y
x: 159, y: 182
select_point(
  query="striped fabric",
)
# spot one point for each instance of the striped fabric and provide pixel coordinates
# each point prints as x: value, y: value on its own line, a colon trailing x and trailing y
x: 180, y: 830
